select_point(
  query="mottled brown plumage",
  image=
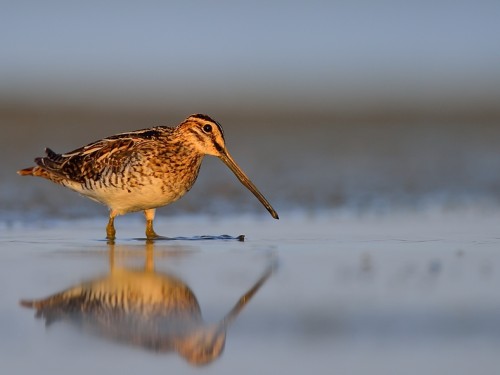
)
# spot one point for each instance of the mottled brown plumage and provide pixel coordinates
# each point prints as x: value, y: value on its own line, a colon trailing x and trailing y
x: 141, y: 170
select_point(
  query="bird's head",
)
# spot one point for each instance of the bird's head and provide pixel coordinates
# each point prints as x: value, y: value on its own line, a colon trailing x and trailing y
x: 204, y: 134
x: 203, y: 345
x: 207, y: 137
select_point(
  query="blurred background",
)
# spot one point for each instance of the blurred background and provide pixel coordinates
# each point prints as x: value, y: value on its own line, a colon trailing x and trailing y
x: 358, y: 120
x: 356, y: 106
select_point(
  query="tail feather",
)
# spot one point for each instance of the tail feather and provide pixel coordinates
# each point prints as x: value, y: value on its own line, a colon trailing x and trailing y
x: 26, y: 171
x: 52, y: 162
x: 52, y: 154
x: 29, y: 303
x: 46, y: 166
x: 57, y: 300
x: 35, y: 171
x: 44, y: 309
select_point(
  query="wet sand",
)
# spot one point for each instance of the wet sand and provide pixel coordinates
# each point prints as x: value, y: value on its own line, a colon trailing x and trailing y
x: 408, y: 293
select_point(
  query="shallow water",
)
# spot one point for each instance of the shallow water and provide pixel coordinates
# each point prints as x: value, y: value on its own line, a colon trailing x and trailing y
x: 385, y: 258
x: 406, y: 293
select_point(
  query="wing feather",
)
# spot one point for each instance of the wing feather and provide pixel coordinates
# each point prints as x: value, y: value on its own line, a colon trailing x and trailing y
x: 88, y: 162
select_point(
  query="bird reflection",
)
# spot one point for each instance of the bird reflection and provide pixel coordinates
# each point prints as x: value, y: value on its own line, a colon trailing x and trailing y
x: 143, y: 308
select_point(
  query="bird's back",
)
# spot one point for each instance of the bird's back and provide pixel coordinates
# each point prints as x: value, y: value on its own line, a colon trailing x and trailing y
x: 113, y: 153
x: 127, y: 172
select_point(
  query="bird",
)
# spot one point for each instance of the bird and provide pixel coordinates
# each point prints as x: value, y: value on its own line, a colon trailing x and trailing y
x: 156, y: 311
x: 141, y: 170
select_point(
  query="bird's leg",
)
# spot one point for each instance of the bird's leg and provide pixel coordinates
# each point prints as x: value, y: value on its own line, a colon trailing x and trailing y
x: 150, y: 232
x: 110, y: 228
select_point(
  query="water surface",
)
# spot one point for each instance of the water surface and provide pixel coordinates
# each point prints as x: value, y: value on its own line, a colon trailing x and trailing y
x: 373, y: 294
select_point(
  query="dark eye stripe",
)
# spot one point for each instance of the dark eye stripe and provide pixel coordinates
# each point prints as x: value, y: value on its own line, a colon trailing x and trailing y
x: 217, y: 146
x: 197, y: 134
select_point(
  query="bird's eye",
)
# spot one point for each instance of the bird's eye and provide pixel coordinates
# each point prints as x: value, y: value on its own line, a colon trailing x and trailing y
x: 207, y: 128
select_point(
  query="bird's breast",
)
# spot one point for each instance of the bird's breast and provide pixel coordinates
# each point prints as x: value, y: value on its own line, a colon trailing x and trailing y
x: 150, y: 183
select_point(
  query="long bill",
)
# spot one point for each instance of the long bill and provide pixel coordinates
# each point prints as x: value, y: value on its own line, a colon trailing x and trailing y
x: 228, y: 160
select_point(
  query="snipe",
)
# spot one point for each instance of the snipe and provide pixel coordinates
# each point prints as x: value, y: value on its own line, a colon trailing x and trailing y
x: 141, y: 170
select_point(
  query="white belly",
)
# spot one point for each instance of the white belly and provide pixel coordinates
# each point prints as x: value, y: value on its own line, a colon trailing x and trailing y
x: 137, y: 199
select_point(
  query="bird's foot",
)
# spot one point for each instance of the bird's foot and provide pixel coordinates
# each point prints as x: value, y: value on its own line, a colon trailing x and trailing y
x: 150, y: 232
